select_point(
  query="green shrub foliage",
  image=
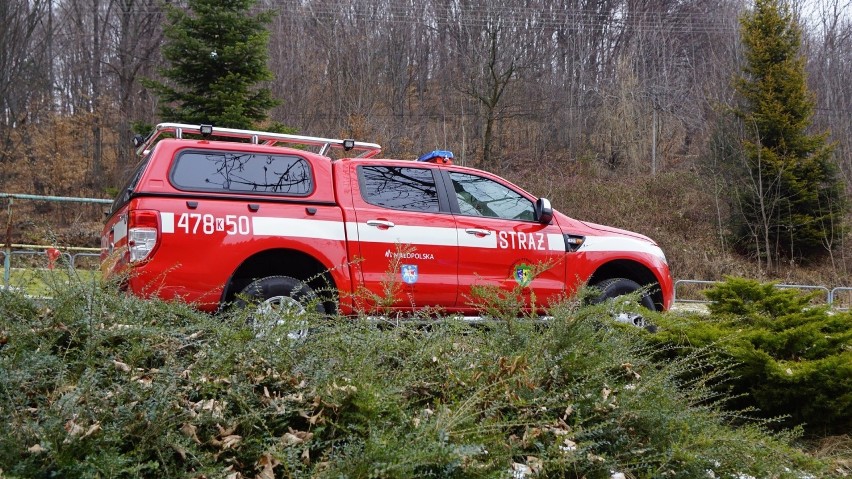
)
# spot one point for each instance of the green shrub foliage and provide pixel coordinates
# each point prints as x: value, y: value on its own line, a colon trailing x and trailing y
x: 793, y: 359
x: 97, y: 384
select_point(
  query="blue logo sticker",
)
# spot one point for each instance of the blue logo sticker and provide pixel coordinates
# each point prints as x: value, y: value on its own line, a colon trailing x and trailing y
x: 409, y: 273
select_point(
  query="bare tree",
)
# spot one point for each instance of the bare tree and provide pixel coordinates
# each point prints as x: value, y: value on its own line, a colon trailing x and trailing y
x: 24, y: 67
x: 829, y: 67
x: 136, y: 33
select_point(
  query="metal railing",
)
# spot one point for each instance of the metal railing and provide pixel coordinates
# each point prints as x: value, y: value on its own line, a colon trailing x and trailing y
x: 829, y: 298
x: 47, y: 258
x: 54, y: 199
x: 841, y: 304
x: 70, y: 254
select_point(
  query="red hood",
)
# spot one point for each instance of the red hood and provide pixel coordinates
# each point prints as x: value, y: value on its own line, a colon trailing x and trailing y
x: 618, y: 231
x: 567, y: 223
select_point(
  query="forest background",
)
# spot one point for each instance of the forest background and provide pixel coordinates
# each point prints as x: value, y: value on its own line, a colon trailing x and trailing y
x: 620, y: 111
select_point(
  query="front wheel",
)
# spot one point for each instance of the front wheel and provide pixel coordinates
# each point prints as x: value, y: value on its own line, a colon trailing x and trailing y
x: 614, y: 288
x: 279, y: 300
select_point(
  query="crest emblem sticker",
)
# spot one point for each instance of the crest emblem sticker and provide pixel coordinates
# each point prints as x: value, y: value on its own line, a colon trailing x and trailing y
x: 409, y: 273
x: 523, y: 274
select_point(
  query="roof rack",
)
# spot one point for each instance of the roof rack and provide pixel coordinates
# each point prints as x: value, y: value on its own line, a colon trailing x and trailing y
x: 366, y: 150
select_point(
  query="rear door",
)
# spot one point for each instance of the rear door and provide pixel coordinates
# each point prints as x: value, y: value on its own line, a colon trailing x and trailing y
x: 407, y: 237
x: 501, y: 243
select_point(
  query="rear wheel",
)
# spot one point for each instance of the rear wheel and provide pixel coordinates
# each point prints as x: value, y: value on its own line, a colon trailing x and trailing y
x: 279, y: 300
x: 614, y: 289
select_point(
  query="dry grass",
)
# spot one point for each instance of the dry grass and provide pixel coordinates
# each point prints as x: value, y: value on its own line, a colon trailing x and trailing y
x: 836, y: 450
x: 680, y: 211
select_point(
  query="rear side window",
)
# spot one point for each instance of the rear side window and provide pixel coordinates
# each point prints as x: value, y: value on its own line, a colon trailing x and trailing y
x: 399, y: 188
x: 242, y: 172
x: 126, y: 190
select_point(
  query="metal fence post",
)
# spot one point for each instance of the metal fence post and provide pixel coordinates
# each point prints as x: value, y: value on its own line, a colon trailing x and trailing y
x: 6, y: 267
x: 7, y: 251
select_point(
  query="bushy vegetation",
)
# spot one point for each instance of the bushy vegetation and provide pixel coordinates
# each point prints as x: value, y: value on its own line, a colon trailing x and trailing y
x: 791, y: 359
x: 97, y: 384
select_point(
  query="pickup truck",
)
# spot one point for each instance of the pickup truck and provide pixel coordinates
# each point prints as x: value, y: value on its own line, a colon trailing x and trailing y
x: 217, y: 217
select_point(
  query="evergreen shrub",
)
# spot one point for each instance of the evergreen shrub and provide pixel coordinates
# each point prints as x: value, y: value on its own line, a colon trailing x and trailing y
x: 793, y: 359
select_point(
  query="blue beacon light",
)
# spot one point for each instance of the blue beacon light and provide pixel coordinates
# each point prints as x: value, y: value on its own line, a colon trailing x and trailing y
x: 437, y: 156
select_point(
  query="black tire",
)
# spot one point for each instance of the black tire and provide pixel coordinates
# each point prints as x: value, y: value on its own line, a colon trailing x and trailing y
x: 612, y: 288
x: 271, y: 295
x: 615, y: 287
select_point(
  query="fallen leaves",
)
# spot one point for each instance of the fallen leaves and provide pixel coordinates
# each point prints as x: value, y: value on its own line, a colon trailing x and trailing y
x: 191, y: 432
x: 267, y: 464
x: 226, y: 439
x: 77, y: 431
x: 120, y: 366
x: 294, y: 437
x: 36, y: 449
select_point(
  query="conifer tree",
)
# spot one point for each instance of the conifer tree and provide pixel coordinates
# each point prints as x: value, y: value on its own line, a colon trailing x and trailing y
x: 793, y: 202
x: 217, y: 54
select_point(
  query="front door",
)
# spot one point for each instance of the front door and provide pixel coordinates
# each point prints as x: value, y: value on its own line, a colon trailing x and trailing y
x: 501, y: 243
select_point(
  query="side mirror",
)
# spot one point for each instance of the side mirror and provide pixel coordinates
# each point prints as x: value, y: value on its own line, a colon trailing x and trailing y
x: 543, y: 211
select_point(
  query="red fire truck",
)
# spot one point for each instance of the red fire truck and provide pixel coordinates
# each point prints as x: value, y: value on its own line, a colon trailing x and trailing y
x: 216, y: 216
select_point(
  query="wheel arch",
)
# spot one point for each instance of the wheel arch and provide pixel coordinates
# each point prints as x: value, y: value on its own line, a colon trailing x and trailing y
x: 286, y: 262
x: 633, y: 270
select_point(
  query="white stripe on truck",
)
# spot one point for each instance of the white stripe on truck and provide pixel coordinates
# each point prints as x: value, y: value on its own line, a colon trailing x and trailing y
x: 407, y: 234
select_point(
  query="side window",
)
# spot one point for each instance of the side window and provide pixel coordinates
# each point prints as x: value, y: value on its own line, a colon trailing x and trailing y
x: 399, y: 188
x: 478, y: 196
x: 242, y: 172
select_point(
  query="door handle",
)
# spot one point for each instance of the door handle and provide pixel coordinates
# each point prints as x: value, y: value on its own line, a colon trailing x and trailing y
x: 380, y: 223
x: 477, y: 232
